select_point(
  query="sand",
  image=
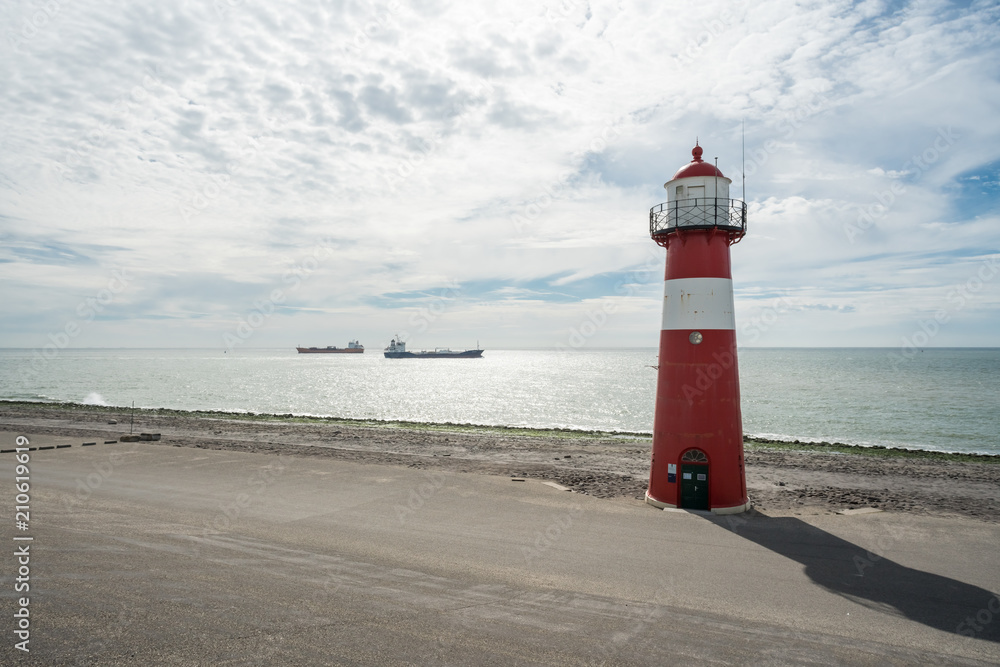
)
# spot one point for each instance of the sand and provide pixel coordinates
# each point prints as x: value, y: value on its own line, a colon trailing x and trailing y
x: 782, y: 479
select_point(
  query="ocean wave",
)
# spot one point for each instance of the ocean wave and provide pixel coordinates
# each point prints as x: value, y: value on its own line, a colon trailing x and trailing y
x: 93, y: 398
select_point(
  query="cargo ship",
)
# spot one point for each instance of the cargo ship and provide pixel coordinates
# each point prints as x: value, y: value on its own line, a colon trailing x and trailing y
x: 353, y: 347
x: 397, y: 350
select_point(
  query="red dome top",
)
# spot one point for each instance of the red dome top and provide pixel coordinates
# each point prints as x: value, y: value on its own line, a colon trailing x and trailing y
x: 697, y: 166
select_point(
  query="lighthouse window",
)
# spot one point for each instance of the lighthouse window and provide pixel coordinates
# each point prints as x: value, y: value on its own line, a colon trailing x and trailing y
x: 680, y: 191
x: 694, y: 456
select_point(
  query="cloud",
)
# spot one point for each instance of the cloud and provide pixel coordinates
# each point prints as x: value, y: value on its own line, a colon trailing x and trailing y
x: 212, y: 149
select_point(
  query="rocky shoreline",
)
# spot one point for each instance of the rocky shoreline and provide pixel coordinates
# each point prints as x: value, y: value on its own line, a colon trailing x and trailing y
x: 783, y: 479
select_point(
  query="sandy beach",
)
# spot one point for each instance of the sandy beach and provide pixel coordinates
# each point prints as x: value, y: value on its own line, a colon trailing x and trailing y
x: 783, y: 479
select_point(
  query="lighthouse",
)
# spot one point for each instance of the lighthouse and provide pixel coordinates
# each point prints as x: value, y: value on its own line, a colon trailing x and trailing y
x: 697, y: 460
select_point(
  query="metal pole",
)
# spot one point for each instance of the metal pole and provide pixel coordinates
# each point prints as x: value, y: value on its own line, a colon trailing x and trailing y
x: 716, y: 191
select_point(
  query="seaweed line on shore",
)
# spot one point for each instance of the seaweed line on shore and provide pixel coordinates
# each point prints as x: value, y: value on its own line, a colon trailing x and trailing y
x: 523, y: 431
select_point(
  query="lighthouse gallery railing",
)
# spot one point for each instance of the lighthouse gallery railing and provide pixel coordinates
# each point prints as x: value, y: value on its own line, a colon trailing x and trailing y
x: 699, y: 213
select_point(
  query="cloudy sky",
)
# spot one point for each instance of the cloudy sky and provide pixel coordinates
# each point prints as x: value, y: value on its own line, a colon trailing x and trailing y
x: 240, y: 173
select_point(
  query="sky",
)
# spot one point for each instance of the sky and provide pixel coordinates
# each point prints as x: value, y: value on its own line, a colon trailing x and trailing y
x: 241, y: 174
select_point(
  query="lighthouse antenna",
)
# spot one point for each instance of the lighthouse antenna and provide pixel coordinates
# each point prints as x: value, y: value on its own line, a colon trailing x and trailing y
x: 743, y: 172
x: 716, y: 190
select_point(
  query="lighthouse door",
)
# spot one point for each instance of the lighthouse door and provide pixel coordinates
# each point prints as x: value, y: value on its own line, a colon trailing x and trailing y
x: 694, y: 486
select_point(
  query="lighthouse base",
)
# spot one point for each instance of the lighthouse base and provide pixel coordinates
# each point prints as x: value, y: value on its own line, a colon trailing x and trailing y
x: 736, y: 509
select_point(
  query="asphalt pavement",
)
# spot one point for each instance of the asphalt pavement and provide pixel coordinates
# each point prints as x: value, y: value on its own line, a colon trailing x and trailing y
x: 144, y: 553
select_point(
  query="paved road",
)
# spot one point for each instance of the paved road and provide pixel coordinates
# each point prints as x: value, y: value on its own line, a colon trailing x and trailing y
x: 151, y: 554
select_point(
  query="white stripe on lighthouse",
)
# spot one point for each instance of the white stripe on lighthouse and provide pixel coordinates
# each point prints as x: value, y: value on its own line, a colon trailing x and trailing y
x: 698, y: 303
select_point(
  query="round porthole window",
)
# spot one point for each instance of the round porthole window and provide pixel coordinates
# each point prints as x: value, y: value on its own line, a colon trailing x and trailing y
x: 695, y: 337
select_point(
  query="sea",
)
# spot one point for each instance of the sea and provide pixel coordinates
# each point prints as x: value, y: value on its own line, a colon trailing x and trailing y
x: 934, y: 399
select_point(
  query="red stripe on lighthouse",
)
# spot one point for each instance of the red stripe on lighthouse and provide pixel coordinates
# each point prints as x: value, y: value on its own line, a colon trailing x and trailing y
x: 698, y: 407
x: 699, y: 254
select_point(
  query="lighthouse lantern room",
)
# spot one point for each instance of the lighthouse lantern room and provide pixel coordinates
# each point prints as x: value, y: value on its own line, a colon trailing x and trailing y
x: 697, y: 459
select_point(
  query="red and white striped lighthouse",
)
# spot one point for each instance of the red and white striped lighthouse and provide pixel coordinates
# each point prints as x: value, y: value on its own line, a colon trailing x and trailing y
x: 698, y: 429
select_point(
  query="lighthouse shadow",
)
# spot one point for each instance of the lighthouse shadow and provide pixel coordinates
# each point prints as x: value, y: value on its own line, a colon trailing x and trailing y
x: 871, y: 580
